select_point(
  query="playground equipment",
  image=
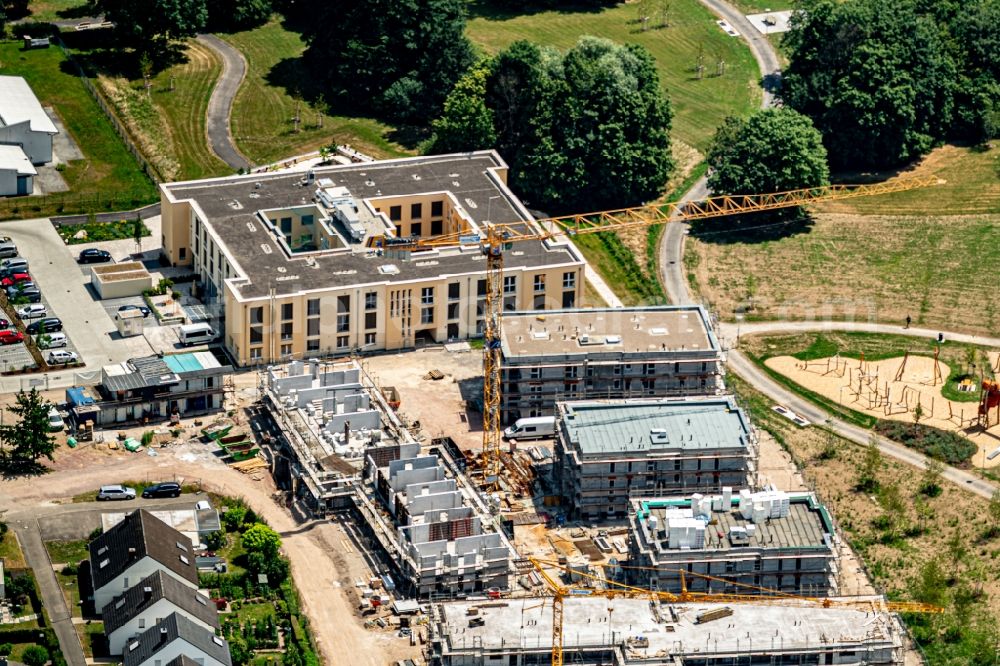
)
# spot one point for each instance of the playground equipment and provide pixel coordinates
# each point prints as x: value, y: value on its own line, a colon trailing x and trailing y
x: 990, y: 399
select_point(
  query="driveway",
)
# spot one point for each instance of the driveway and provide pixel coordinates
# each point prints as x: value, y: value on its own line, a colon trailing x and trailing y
x: 220, y: 106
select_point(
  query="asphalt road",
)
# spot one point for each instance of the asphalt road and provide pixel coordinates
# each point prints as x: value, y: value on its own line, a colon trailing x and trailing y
x: 234, y: 68
x: 672, y: 242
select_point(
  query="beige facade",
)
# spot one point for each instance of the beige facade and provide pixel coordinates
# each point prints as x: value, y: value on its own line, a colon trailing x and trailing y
x: 295, y: 276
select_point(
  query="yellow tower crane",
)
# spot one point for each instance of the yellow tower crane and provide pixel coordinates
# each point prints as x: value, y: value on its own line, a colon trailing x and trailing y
x: 495, y: 239
x: 754, y: 595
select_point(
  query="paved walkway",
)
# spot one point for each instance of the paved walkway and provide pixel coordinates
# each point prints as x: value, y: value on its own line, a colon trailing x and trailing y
x: 220, y: 106
x: 672, y: 242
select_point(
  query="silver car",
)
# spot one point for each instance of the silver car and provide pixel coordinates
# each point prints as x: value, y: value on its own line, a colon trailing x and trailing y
x: 7, y: 247
x: 115, y: 493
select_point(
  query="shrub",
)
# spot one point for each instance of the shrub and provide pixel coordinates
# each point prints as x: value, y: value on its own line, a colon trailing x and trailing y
x: 70, y: 570
x: 948, y: 447
x: 35, y: 655
x: 6, y: 649
x: 98, y: 531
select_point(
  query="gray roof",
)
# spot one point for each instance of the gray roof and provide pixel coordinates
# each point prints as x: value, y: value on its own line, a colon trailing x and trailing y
x: 139, y: 535
x: 12, y: 158
x: 150, y: 590
x: 147, y: 371
x: 177, y: 627
x: 625, y: 427
x: 18, y: 103
x: 182, y: 660
x: 467, y: 176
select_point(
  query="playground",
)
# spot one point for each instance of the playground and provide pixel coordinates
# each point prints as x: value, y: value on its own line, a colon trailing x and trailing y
x: 904, y: 388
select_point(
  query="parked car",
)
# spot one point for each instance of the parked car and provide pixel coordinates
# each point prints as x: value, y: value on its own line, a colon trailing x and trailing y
x: 166, y: 489
x: 7, y: 247
x: 55, y: 420
x: 141, y: 308
x: 4, y: 323
x: 115, y: 493
x: 11, y: 337
x: 16, y: 264
x: 28, y: 291
x: 94, y: 256
x: 46, y: 325
x: 51, y: 340
x: 61, y: 356
x: 15, y: 278
x: 33, y: 311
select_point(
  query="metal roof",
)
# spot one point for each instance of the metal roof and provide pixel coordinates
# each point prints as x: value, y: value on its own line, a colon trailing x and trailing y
x: 651, y: 427
x: 18, y: 103
x: 175, y: 626
x: 145, y: 371
x: 12, y: 158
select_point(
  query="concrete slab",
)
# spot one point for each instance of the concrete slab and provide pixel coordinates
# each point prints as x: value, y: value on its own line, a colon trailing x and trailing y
x: 49, y: 180
x: 771, y: 23
x: 64, y: 148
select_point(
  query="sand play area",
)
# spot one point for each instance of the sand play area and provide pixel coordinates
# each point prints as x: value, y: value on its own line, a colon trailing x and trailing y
x: 890, y: 389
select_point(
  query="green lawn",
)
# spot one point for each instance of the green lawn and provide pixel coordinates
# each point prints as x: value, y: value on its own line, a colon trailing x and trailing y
x: 10, y: 551
x: 58, y: 10
x: 67, y: 552
x: 264, y: 108
x: 107, y: 170
x: 761, y: 6
x: 699, y: 105
x: 100, y: 231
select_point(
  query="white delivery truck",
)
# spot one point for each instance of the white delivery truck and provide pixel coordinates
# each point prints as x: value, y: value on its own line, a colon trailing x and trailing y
x: 536, y: 427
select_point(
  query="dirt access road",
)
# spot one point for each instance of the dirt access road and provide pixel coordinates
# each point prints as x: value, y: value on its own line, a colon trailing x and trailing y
x: 324, y: 563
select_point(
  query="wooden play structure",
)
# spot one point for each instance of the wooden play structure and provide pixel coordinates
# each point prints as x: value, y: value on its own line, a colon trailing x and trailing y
x: 834, y: 366
x: 990, y: 400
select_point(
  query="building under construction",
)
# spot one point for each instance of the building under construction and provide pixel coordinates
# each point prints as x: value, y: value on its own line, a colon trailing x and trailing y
x: 770, y: 539
x: 637, y: 632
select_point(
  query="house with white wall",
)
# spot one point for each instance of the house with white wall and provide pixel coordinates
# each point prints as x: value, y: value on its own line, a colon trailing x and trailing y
x: 23, y: 121
x: 135, y: 549
x: 176, y: 637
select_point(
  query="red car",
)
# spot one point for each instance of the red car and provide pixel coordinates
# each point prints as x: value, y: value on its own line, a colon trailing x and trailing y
x: 16, y: 278
x: 10, y: 337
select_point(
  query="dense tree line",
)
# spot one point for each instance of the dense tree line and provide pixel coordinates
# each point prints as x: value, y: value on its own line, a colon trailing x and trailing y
x: 884, y: 80
x: 584, y: 130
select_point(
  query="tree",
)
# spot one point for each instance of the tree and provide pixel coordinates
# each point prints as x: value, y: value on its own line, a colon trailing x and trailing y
x: 874, y: 76
x: 149, y: 25
x: 138, y: 228
x: 930, y: 482
x: 399, y: 59
x: 993, y: 514
x: 234, y: 517
x: 600, y: 134
x: 869, y: 466
x: 28, y: 439
x: 235, y: 15
x: 259, y: 538
x: 6, y: 649
x: 466, y: 124
x: 918, y: 413
x: 897, y: 520
x: 771, y: 151
x: 930, y: 584
x: 239, y: 651
x: 35, y: 655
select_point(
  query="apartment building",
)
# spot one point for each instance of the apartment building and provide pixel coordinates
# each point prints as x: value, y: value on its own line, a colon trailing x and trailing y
x: 296, y: 265
x: 606, y: 353
x: 607, y: 452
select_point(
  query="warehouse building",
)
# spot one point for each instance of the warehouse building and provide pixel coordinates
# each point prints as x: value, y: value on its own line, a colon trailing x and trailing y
x: 771, y: 540
x: 23, y: 121
x: 606, y: 353
x: 636, y: 632
x: 292, y: 261
x: 608, y: 452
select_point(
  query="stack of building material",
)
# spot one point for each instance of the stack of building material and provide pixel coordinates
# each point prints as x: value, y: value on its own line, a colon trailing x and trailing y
x: 686, y: 533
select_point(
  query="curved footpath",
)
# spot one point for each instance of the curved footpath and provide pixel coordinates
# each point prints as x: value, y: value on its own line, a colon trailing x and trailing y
x: 220, y: 106
x: 672, y: 241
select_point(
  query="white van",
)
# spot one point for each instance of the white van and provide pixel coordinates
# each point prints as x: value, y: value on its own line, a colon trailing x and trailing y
x: 194, y: 334
x: 535, y: 427
x: 55, y: 420
x: 51, y: 340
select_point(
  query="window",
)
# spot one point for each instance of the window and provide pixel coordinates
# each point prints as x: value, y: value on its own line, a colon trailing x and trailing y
x: 371, y: 319
x: 437, y: 208
x: 416, y: 211
x: 427, y: 295
x: 257, y: 315
x: 312, y: 307
x: 255, y: 353
x: 570, y: 389
x: 648, y: 368
x: 369, y: 338
x: 416, y: 229
x: 571, y: 372
x: 307, y: 220
x: 343, y: 323
x: 569, y: 299
x: 342, y: 341
x: 286, y: 225
x: 569, y: 280
x: 539, y: 302
x: 535, y: 373
x: 182, y: 254
x: 395, y: 213
x: 539, y: 283
x: 454, y: 291
x: 343, y: 303
x: 481, y: 288
x: 312, y: 345
x: 142, y: 623
x: 437, y: 227
x: 371, y: 300
x: 510, y: 284
x: 286, y: 331
x: 312, y: 327
x: 287, y: 310
x: 427, y: 315
x: 256, y: 335
x: 453, y: 310
x: 286, y: 350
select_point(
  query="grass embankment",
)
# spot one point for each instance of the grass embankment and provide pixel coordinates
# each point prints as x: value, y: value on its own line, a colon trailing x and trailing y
x: 68, y: 552
x: 58, y: 10
x: 951, y: 531
x: 100, y: 231
x: 108, y: 177
x: 10, y: 551
x: 875, y: 347
x: 263, y: 112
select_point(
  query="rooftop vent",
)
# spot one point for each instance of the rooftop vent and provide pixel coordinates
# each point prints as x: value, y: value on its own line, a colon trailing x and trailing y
x: 540, y: 335
x: 252, y: 227
x: 613, y: 339
x: 415, y: 176
x: 388, y: 269
x: 265, y: 248
x: 659, y: 330
x: 658, y: 436
x: 254, y: 195
x: 456, y: 183
x: 370, y: 183
x: 235, y: 204
x: 281, y: 269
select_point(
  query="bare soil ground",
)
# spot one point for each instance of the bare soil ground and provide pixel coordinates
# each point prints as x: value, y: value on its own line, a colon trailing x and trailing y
x: 915, y: 387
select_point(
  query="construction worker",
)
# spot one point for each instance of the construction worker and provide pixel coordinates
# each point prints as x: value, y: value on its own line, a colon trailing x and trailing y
x: 908, y: 321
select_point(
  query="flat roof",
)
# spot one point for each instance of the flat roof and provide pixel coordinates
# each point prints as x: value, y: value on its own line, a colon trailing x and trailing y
x: 18, y: 103
x: 191, y: 361
x: 641, y: 330
x: 12, y: 158
x: 671, y: 629
x: 468, y: 177
x: 807, y: 524
x: 664, y: 426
